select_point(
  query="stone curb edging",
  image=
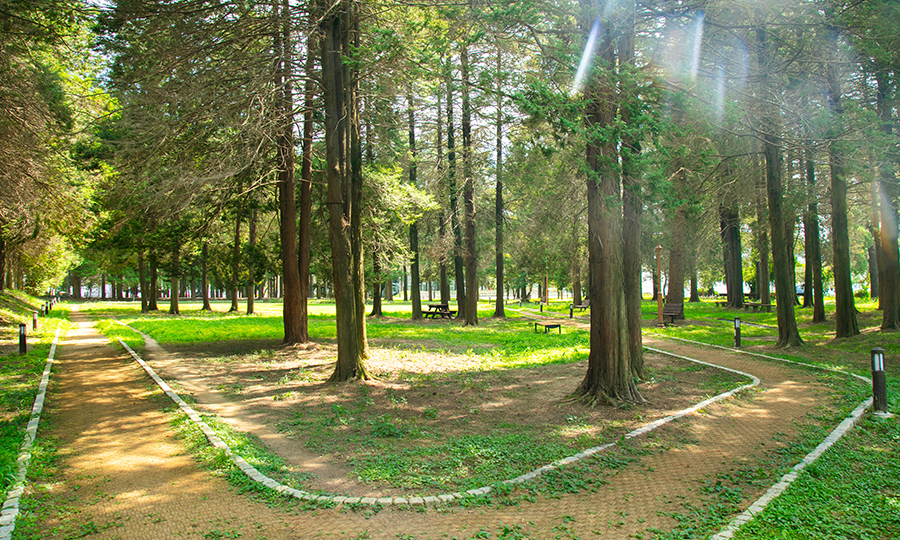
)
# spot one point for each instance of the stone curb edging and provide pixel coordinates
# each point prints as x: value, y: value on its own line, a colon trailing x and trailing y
x: 259, y: 477
x: 785, y: 481
x: 10, y: 510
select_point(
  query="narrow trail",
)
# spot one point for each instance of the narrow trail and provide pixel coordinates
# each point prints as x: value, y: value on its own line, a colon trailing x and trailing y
x: 122, y: 471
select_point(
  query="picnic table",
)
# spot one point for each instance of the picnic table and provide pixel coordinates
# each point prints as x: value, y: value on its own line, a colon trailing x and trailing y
x: 439, y: 310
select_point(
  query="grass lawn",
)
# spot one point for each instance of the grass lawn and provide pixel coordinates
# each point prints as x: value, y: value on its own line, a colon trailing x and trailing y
x: 20, y: 375
x: 406, y: 433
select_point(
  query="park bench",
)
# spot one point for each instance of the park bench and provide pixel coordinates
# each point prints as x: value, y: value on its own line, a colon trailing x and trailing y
x: 581, y: 307
x: 547, y: 326
x: 673, y: 311
x: 756, y: 306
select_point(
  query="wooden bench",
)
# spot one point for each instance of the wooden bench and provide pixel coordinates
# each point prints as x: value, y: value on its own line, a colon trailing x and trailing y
x: 756, y: 306
x: 673, y: 311
x: 547, y: 326
x: 581, y: 307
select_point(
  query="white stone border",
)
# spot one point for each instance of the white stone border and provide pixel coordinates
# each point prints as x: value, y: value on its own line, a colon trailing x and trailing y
x: 11, y: 506
x: 785, y: 481
x: 259, y: 477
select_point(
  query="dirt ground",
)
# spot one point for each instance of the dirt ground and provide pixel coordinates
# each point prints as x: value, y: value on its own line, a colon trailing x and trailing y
x: 122, y: 474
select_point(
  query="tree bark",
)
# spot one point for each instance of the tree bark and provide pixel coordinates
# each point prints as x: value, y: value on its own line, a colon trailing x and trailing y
x: 154, y: 282
x: 335, y: 26
x: 813, y: 242
x: 413, y: 227
x: 442, y: 227
x: 844, y: 309
x: 762, y: 245
x: 142, y: 279
x: 294, y: 328
x: 304, y: 240
x: 376, y: 288
x: 204, y: 276
x: 730, y: 227
x: 236, y: 256
x: 498, y: 196
x: 889, y: 191
x: 251, y: 270
x: 174, y: 279
x: 609, y: 377
x: 788, y: 333
x: 459, y: 274
x: 470, y: 256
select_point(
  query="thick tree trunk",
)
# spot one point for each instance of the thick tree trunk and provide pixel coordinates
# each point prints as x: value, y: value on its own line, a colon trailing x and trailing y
x: 102, y: 286
x: 844, y: 308
x: 295, y: 330
x: 888, y: 241
x: 609, y: 378
x: 204, y: 276
x: 335, y: 25
x: 354, y: 140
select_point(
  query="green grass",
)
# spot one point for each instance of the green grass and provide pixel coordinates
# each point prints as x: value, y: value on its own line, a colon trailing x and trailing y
x: 20, y: 376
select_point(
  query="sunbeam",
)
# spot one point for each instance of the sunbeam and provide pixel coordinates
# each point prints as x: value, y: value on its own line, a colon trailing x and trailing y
x: 586, y: 58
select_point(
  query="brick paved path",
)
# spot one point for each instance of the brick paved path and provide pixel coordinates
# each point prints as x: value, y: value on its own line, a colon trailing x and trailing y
x: 122, y: 475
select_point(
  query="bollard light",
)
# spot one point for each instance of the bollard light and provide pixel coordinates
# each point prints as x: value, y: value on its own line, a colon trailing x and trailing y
x: 737, y: 332
x: 22, y: 345
x: 34, y: 315
x: 879, y: 382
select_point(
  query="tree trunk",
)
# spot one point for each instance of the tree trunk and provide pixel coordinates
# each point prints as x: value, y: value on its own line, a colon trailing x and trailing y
x: 788, y: 333
x: 295, y: 330
x: 814, y: 243
x: 844, y: 308
x: 335, y: 26
x: 174, y: 279
x: 890, y: 193
x: 459, y: 275
x: 304, y: 239
x: 204, y: 276
x: 154, y: 282
x: 142, y: 279
x: 762, y: 245
x: 470, y: 256
x: 442, y: 227
x: 251, y: 271
x: 236, y: 258
x: 498, y: 195
x: 354, y: 144
x: 379, y: 283
x: 730, y: 226
x: 413, y: 227
x: 609, y: 378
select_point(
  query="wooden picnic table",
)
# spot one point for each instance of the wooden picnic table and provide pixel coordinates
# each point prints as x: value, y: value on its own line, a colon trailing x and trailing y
x: 442, y: 310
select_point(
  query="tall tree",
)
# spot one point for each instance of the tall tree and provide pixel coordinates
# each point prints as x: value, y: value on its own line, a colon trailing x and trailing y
x: 336, y: 25
x: 471, y: 255
x: 498, y: 192
x: 414, y: 226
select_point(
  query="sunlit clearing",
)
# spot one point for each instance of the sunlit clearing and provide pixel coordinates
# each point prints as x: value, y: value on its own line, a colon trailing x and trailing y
x: 586, y: 58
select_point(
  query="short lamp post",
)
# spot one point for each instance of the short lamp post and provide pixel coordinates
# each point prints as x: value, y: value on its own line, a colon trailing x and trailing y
x: 737, y: 332
x: 23, y: 347
x: 879, y: 386
x: 34, y: 320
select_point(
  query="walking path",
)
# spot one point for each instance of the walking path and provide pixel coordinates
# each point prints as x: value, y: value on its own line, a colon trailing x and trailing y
x: 122, y: 474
